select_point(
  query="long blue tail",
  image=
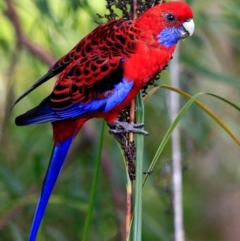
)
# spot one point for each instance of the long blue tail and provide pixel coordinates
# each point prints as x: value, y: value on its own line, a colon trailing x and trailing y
x: 57, y: 159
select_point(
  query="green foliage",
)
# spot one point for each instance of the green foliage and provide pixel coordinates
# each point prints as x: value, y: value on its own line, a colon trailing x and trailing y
x: 210, y: 63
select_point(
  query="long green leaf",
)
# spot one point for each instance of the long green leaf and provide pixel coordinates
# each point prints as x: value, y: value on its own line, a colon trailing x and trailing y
x: 203, y: 107
x: 208, y: 111
x: 180, y: 115
x: 169, y: 132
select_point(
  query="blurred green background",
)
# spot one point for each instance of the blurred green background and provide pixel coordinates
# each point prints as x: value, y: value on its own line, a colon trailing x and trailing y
x: 33, y: 34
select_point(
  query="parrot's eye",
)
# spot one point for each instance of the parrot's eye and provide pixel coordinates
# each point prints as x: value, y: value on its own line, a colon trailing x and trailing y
x: 170, y: 17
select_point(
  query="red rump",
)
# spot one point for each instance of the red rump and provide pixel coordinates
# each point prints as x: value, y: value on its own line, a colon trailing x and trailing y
x: 62, y: 130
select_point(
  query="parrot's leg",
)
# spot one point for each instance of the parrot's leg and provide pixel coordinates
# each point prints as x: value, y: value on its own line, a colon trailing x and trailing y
x: 121, y: 127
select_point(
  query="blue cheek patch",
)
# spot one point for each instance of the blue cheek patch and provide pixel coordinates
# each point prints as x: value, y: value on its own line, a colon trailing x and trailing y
x: 169, y: 37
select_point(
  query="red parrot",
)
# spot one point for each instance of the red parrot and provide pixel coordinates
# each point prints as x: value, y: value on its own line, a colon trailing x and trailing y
x: 100, y: 76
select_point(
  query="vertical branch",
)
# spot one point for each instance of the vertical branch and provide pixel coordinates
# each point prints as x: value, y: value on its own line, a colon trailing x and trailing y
x: 132, y: 105
x: 129, y: 188
x: 176, y: 151
x: 132, y: 118
x: 129, y: 200
x: 134, y: 11
x: 129, y: 204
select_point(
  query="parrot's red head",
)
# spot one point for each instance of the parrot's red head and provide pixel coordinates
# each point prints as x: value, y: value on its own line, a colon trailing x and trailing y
x: 168, y: 22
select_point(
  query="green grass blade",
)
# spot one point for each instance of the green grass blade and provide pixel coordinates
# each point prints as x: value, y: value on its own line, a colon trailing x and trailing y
x: 137, y: 224
x: 182, y: 112
x: 169, y: 132
x: 225, y: 100
x: 202, y: 106
x: 94, y: 186
x: 208, y: 111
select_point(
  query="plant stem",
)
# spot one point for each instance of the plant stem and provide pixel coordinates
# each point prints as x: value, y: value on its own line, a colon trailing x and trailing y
x: 137, y: 226
x: 129, y: 187
x: 131, y: 139
x: 129, y: 192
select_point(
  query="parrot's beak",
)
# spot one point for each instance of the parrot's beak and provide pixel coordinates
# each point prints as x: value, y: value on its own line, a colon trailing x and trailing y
x: 188, y: 28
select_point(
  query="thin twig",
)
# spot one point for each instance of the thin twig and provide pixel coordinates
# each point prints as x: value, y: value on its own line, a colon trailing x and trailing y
x: 132, y: 106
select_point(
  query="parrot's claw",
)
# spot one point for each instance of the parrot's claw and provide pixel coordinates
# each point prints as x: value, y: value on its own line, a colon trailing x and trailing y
x: 123, y: 127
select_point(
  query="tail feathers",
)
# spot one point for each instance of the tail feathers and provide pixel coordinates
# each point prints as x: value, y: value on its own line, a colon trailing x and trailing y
x: 41, y: 113
x: 57, y: 159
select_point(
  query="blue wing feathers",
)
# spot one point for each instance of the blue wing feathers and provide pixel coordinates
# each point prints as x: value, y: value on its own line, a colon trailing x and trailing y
x: 121, y: 91
x: 57, y: 159
x: 44, y: 113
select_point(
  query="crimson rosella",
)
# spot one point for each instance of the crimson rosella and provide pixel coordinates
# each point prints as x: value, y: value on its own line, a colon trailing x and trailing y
x: 100, y: 76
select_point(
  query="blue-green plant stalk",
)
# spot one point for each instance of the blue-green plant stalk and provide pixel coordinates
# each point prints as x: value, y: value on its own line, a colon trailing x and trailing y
x: 137, y: 222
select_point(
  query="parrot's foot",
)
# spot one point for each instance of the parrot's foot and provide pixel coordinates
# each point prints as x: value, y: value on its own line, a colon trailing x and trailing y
x: 123, y: 127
